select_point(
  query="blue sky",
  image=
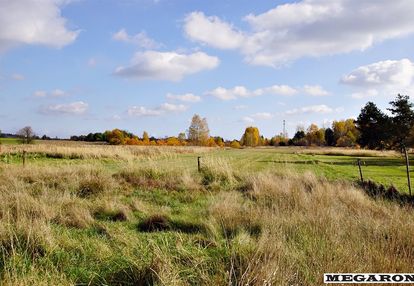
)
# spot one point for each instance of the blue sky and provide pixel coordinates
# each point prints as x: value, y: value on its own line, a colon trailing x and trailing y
x: 80, y: 66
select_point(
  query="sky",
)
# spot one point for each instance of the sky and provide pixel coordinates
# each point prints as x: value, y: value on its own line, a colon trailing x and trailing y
x: 70, y: 67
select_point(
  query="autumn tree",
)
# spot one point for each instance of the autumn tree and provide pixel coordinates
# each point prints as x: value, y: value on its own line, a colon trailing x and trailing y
x: 133, y: 141
x: 345, y: 133
x: 211, y: 142
x: 116, y: 137
x: 251, y: 137
x: 173, y: 141
x: 235, y: 144
x: 278, y: 140
x: 145, y: 138
x: 26, y: 135
x: 219, y: 141
x: 315, y: 135
x: 198, y: 132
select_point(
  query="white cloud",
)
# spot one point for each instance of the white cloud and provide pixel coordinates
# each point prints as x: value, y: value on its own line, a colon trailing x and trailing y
x: 53, y: 93
x: 228, y: 94
x: 170, y: 66
x: 74, y: 108
x: 160, y: 110
x: 383, y: 78
x: 40, y: 93
x: 143, y: 111
x: 307, y: 28
x: 315, y: 90
x: 33, y: 23
x: 57, y: 93
x: 365, y: 94
x: 141, y: 39
x: 262, y: 116
x: 169, y: 107
x: 241, y: 91
x: 187, y: 97
x: 383, y: 73
x: 116, y: 117
x: 321, y: 109
x: 212, y: 31
x: 257, y: 116
x: 247, y: 119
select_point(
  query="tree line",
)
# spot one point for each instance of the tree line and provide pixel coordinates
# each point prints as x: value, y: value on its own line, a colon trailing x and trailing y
x: 373, y: 129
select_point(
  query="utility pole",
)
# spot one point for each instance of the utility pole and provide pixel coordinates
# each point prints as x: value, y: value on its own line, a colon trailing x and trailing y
x: 284, y: 128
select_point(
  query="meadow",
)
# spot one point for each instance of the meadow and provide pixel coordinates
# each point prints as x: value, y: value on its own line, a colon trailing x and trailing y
x: 87, y: 214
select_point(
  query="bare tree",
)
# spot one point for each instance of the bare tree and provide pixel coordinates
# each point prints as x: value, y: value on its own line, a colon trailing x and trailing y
x: 26, y: 135
x: 198, y: 132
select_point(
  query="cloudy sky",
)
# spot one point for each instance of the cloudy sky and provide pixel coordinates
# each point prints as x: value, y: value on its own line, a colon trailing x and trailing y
x: 78, y: 66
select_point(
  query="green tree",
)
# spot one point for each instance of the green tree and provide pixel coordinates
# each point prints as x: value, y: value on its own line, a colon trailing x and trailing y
x: 299, y: 137
x: 329, y: 137
x: 251, y: 137
x: 374, y: 127
x: 402, y: 120
x: 198, y: 132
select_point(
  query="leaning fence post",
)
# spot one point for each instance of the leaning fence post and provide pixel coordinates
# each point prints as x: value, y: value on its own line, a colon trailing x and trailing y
x: 199, y: 163
x: 407, y: 165
x: 360, y: 171
x: 24, y: 158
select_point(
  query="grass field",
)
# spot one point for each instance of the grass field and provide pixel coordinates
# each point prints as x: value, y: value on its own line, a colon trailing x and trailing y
x: 84, y: 214
x: 9, y: 141
x: 386, y: 167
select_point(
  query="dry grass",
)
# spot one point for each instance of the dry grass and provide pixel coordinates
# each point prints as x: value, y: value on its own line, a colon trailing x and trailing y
x: 76, y: 150
x: 84, y: 224
x: 310, y: 226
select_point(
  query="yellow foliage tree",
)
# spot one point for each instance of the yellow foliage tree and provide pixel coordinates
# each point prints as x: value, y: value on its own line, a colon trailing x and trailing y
x: 345, y: 133
x: 116, y: 137
x: 198, y: 132
x: 173, y: 141
x: 235, y: 144
x: 315, y: 135
x: 251, y: 137
x: 145, y: 138
x: 211, y: 142
x: 133, y: 141
x: 219, y: 141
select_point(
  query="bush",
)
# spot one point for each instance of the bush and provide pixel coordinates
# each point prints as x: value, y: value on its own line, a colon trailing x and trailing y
x: 235, y: 144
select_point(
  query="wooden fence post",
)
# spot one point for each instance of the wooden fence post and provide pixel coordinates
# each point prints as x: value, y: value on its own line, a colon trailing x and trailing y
x: 199, y: 163
x: 407, y: 166
x: 24, y: 158
x: 360, y: 171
